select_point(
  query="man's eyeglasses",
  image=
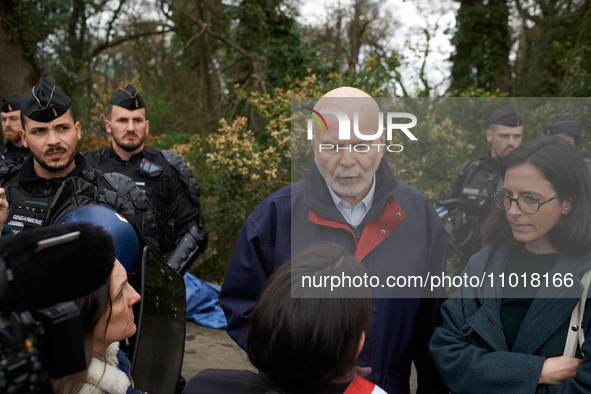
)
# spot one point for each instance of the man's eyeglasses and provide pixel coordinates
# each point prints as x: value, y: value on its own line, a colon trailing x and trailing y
x: 526, y: 203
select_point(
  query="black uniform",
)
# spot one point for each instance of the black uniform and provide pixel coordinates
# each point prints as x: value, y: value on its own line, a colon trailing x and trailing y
x: 35, y: 201
x: 169, y: 184
x: 469, y: 200
x: 11, y: 152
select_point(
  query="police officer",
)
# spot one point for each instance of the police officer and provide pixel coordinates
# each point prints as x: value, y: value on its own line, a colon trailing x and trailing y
x: 54, y: 179
x: 10, y: 112
x: 163, y: 175
x: 468, y: 198
x: 570, y: 130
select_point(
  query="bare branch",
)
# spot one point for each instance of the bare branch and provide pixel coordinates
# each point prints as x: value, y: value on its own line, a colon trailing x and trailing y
x: 399, y: 81
x: 168, y: 14
x: 107, y: 45
x: 524, y: 14
x: 188, y: 42
x: 422, y: 72
x: 113, y: 19
x: 255, y: 70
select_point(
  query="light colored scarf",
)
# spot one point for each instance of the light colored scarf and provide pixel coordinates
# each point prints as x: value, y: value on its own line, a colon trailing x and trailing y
x: 104, y: 376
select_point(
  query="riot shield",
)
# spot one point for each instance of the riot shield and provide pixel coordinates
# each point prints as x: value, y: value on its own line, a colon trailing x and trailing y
x: 160, y: 337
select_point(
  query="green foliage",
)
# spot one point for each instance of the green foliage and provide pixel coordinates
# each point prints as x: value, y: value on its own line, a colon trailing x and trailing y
x: 577, y: 76
x: 482, y: 42
x: 548, y: 58
x: 235, y: 173
x: 37, y: 20
x: 429, y: 163
x: 377, y: 75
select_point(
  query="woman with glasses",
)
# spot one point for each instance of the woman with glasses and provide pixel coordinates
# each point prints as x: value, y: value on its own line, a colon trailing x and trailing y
x: 508, y: 333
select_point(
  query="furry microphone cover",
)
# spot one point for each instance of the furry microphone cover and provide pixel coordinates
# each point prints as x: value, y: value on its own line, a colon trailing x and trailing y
x: 41, y: 267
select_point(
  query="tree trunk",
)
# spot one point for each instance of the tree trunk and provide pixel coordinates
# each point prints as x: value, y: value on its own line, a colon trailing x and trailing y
x: 17, y: 72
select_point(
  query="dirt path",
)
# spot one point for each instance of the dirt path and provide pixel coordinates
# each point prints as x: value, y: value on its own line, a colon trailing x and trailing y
x: 209, y: 348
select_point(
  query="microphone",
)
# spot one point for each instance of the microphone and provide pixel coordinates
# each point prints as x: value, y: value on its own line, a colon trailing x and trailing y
x: 42, y: 267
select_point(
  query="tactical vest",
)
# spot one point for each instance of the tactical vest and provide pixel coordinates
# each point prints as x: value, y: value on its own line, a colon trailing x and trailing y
x: 149, y: 174
x: 479, y: 185
x: 146, y: 174
x: 26, y: 210
x: 92, y: 187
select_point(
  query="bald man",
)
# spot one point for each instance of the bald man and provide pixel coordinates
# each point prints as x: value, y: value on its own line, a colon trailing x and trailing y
x: 351, y: 197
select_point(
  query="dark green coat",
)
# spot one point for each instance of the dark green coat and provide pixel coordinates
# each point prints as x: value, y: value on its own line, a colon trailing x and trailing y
x: 469, y: 347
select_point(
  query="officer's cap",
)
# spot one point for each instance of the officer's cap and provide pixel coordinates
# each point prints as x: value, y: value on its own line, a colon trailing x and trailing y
x: 45, y: 102
x: 11, y: 103
x: 563, y: 125
x: 506, y: 115
x: 128, y: 98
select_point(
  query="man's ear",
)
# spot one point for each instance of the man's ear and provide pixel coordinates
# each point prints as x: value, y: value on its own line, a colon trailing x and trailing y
x: 147, y: 126
x: 23, y: 138
x: 108, y: 126
x: 489, y: 135
x: 78, y: 127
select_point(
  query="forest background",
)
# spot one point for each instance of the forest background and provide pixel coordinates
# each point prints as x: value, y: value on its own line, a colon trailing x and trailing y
x: 218, y: 78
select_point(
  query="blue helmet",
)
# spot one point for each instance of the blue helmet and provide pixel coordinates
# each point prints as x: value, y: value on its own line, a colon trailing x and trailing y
x: 121, y: 230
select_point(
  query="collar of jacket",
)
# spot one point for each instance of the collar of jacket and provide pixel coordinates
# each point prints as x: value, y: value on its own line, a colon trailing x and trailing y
x: 10, y: 147
x: 381, y: 220
x: 318, y: 197
x: 104, y: 376
x: 114, y: 155
x: 549, y: 310
x: 488, y: 161
x: 492, y: 260
x: 27, y: 173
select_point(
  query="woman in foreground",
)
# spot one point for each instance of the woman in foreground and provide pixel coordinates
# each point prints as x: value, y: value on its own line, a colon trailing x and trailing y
x: 107, y: 318
x: 301, y: 345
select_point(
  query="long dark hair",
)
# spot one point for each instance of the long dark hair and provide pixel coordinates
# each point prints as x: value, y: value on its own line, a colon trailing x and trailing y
x: 304, y: 343
x: 92, y: 308
x: 563, y: 167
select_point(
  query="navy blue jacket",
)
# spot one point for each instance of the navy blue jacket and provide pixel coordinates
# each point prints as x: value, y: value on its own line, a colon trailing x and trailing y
x: 123, y: 365
x: 470, y: 348
x: 400, y: 235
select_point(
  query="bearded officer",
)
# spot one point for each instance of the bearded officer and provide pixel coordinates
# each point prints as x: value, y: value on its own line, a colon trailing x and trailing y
x: 163, y: 175
x: 13, y: 149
